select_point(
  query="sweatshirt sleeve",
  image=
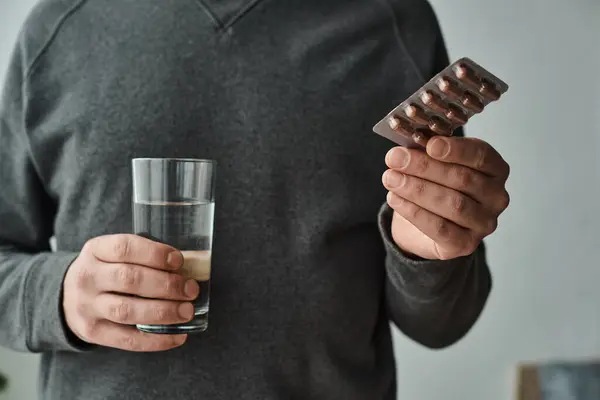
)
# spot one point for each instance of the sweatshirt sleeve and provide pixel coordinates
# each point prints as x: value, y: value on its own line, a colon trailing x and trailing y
x: 31, y: 275
x: 435, y: 303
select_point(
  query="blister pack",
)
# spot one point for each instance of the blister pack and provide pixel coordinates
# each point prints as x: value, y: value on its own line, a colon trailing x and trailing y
x: 460, y: 91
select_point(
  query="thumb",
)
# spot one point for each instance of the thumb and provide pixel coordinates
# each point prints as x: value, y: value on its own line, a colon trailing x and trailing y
x: 411, y: 240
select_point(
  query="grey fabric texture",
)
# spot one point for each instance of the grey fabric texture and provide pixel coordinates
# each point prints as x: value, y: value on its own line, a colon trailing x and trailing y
x: 306, y: 278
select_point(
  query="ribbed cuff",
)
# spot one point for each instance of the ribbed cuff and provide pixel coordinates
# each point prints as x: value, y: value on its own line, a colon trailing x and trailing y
x: 417, y: 277
x: 43, y: 295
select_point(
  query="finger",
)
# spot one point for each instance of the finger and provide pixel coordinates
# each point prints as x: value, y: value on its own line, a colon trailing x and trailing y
x: 130, y: 310
x: 470, y: 152
x: 474, y: 184
x: 135, y: 249
x: 501, y: 202
x: 444, y: 233
x: 442, y: 201
x: 123, y: 337
x: 145, y: 282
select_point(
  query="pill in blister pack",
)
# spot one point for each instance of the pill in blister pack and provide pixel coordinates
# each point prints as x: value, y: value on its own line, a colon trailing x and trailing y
x: 445, y: 103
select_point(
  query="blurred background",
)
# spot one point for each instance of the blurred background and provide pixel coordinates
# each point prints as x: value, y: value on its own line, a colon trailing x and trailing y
x: 545, y: 259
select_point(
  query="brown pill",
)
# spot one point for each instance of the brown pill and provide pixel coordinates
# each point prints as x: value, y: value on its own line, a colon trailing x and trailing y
x: 440, y: 127
x: 489, y: 90
x: 466, y: 75
x: 449, y: 88
x: 422, y: 136
x: 470, y: 101
x: 401, y: 126
x: 417, y: 114
x: 433, y: 101
x: 456, y: 115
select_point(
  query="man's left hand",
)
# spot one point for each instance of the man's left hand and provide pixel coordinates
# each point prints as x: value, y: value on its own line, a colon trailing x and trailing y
x: 447, y: 199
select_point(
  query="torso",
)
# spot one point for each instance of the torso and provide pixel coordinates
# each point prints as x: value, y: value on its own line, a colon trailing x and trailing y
x: 284, y: 99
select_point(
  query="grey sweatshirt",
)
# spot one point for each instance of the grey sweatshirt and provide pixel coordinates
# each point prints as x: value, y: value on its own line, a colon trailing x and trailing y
x: 306, y: 277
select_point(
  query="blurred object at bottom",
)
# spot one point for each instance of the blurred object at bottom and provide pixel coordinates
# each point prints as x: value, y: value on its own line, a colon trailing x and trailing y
x: 3, y: 382
x: 578, y: 380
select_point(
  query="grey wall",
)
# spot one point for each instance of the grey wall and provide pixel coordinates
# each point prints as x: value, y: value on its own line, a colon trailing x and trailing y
x: 544, y: 256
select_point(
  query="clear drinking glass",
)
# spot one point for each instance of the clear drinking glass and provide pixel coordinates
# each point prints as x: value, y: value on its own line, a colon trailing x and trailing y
x: 174, y: 203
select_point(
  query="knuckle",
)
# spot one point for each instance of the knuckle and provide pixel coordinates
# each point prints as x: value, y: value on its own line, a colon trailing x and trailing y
x: 82, y: 278
x: 405, y: 208
x: 418, y: 187
x: 81, y: 308
x: 130, y: 342
x: 413, y: 212
x: 173, y: 285
x: 421, y: 164
x: 120, y: 311
x: 504, y: 201
x: 458, y: 204
x: 492, y: 225
x: 442, y: 230
x: 481, y: 156
x: 505, y: 169
x: 158, y: 253
x: 463, y: 178
x: 122, y: 247
x: 470, y: 247
x: 161, y: 313
x: 88, y: 331
x: 127, y: 277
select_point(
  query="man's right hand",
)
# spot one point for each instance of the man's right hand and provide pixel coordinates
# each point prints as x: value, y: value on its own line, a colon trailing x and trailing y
x: 118, y: 281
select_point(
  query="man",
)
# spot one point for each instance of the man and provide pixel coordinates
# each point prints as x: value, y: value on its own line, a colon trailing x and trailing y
x: 306, y: 275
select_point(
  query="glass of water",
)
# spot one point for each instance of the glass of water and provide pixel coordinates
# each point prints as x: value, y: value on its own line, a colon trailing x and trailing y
x: 174, y: 203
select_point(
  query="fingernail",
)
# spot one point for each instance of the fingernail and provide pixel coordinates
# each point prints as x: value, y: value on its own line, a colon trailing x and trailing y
x: 175, y: 259
x: 186, y: 311
x: 191, y: 289
x: 439, y: 148
x: 398, y: 158
x: 393, y: 179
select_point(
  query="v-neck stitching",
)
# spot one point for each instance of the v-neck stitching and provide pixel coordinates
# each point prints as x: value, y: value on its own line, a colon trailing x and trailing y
x: 225, y: 25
